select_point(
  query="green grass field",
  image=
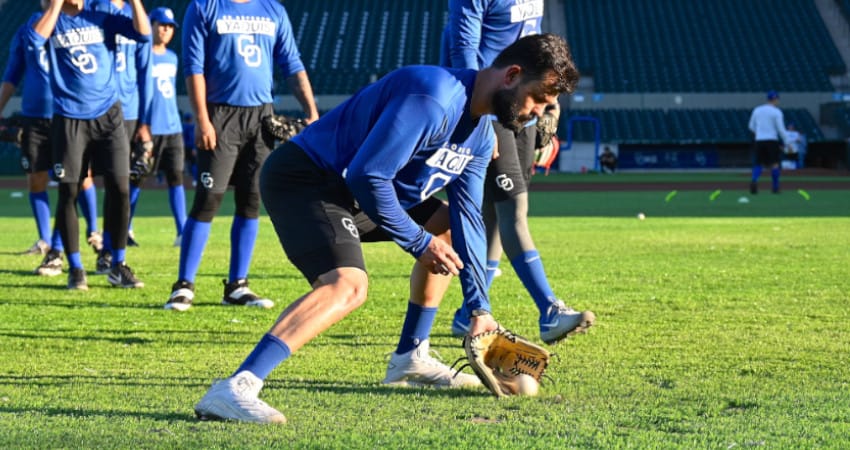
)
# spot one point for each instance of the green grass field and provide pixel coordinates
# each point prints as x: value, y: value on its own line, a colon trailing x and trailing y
x: 720, y: 325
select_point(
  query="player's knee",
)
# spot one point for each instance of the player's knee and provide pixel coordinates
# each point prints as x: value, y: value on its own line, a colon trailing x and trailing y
x: 117, y: 185
x: 247, y: 204
x: 349, y: 285
x: 206, y: 204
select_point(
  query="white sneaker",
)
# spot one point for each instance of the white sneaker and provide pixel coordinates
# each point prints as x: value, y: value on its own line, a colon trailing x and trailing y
x: 418, y: 368
x: 235, y: 398
x: 561, y: 322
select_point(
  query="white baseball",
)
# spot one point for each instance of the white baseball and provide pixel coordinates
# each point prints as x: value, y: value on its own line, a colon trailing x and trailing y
x: 641, y: 216
x: 527, y: 385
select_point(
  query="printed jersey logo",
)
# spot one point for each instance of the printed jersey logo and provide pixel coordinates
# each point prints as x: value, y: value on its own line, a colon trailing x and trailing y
x: 59, y: 171
x: 122, y: 43
x: 164, y: 73
x: 25, y: 163
x: 251, y: 53
x: 504, y: 182
x: 349, y: 225
x: 526, y: 9
x: 83, y: 60
x: 78, y: 37
x: 42, y: 59
x: 247, y: 27
x: 207, y: 180
x: 450, y: 160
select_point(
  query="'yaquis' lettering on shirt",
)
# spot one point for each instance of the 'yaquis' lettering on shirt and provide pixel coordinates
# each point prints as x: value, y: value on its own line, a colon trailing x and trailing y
x: 78, y: 36
x: 245, y: 25
x: 526, y: 9
x: 452, y: 159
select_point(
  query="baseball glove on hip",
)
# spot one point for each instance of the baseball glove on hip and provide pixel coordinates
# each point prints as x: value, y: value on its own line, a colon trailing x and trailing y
x: 283, y: 128
x: 547, y: 127
x: 498, y: 357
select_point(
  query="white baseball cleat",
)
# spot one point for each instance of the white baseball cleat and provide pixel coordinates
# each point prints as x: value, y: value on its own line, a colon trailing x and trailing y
x: 418, y: 368
x: 561, y: 322
x: 235, y: 398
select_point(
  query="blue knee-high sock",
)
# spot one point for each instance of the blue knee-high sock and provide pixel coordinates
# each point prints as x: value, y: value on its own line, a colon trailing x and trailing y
x: 75, y: 261
x: 56, y: 241
x: 774, y: 177
x: 107, y: 242
x: 88, y: 205
x: 40, y: 204
x: 756, y: 172
x: 416, y: 328
x: 243, y: 235
x: 119, y: 255
x: 195, y: 235
x: 177, y: 200
x: 529, y: 268
x: 135, y: 191
x: 268, y: 354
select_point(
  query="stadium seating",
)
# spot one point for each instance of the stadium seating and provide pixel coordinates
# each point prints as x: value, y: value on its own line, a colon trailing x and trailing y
x: 721, y: 45
x: 688, y: 126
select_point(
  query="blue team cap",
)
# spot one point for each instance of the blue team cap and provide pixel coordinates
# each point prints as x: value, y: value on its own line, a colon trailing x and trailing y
x: 163, y: 15
x: 772, y: 95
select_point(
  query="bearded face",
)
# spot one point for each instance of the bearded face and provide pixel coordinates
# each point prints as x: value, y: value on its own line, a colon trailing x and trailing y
x: 507, y: 107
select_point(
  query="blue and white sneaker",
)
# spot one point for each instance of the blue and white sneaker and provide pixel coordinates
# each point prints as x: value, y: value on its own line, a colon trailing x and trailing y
x: 460, y: 324
x: 561, y: 322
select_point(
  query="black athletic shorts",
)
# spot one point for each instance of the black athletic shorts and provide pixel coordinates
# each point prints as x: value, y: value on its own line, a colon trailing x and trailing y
x: 36, y: 152
x: 315, y: 215
x: 168, y: 153
x: 101, y: 142
x: 509, y: 174
x: 242, y: 147
x: 768, y: 153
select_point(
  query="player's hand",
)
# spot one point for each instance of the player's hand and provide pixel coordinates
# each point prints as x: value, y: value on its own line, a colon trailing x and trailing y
x: 143, y: 133
x: 441, y: 259
x: 205, y: 138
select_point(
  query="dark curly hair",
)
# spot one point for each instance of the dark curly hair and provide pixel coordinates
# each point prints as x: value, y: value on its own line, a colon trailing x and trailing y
x: 543, y: 56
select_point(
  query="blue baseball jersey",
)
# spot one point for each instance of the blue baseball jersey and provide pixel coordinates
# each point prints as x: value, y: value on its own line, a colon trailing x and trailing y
x: 28, y: 62
x: 165, y: 114
x: 399, y: 141
x: 234, y: 45
x: 82, y: 75
x: 132, y: 68
x: 477, y: 30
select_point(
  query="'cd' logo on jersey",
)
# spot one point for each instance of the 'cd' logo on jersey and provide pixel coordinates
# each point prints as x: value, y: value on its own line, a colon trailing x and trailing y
x: 59, y: 171
x: 25, y: 163
x: 504, y: 182
x: 207, y: 180
x: 349, y: 225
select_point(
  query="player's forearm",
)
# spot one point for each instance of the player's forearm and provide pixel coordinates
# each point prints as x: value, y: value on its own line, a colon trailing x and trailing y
x: 196, y: 87
x: 47, y: 23
x: 6, y: 91
x: 140, y: 18
x: 301, y: 88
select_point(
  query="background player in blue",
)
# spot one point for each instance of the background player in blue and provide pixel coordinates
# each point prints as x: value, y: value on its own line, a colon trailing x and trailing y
x: 135, y: 90
x: 87, y: 122
x: 28, y: 62
x: 477, y: 30
x: 230, y: 48
x: 367, y: 171
x: 166, y: 128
